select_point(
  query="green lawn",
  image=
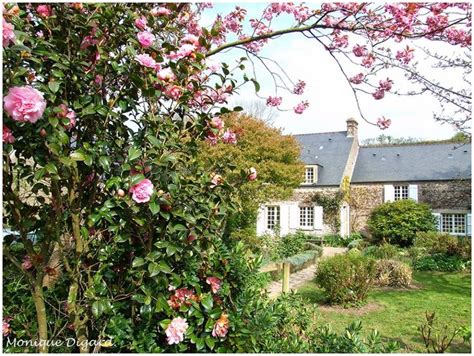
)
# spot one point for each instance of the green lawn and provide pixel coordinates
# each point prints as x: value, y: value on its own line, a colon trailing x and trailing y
x: 400, y: 312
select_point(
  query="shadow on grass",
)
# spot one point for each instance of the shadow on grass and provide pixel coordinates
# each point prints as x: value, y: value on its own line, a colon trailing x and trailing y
x: 441, y: 282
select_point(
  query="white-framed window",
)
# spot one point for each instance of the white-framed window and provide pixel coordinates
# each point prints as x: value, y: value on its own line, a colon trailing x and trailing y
x: 310, y: 174
x: 306, y: 216
x: 453, y: 223
x: 273, y: 217
x: 400, y: 192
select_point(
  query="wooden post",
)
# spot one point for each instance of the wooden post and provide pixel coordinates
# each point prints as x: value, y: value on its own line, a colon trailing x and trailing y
x: 286, y: 278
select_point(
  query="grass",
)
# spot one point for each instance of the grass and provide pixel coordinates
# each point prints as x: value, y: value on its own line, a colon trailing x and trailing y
x: 400, y: 312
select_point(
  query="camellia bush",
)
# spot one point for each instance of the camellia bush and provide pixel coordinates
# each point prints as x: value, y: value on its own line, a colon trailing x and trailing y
x: 116, y: 233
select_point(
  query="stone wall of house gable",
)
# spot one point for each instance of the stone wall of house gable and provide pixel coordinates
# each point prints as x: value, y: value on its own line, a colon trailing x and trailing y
x: 362, y: 200
x: 304, y: 195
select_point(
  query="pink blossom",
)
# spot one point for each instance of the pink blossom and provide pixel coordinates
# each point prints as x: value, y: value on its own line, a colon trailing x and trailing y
x: 359, y: 51
x: 166, y: 75
x: 146, y: 38
x: 190, y: 39
x: 368, y: 60
x: 379, y: 94
x: 229, y: 137
x: 221, y: 327
x: 142, y: 191
x: 357, y: 79
x: 6, y: 328
x: 8, y: 135
x: 160, y: 11
x: 385, y: 85
x: 340, y: 41
x: 146, y: 60
x: 98, y: 80
x: 141, y: 22
x: 185, y: 50
x: 213, y: 65
x: 383, y: 123
x: 26, y: 264
x: 405, y: 56
x: 44, y: 10
x: 299, y: 87
x: 274, y: 100
x: 71, y: 115
x: 216, y: 179
x: 301, y: 107
x: 215, y: 283
x: 252, y: 173
x: 40, y: 34
x: 217, y: 123
x: 8, y: 34
x: 24, y: 104
x: 176, y: 330
x: 458, y: 37
x: 211, y: 139
x: 173, y: 92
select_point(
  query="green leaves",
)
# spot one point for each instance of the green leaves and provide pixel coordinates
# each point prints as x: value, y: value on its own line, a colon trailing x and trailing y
x: 53, y: 86
x: 101, y: 306
x: 134, y: 153
x: 155, y: 268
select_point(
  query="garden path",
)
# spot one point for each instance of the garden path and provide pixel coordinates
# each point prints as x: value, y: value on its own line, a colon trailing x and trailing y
x: 301, y: 277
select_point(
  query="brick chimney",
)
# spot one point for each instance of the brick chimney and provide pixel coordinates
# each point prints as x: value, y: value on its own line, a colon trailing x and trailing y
x: 352, y: 127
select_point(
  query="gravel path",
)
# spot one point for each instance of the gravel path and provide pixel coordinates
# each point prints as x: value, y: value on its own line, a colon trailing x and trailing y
x: 299, y: 278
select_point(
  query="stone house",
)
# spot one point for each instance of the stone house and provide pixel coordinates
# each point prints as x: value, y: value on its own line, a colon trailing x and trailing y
x: 356, y: 179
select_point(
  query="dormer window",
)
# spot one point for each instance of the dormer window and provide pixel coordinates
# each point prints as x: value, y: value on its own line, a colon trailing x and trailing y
x: 310, y: 174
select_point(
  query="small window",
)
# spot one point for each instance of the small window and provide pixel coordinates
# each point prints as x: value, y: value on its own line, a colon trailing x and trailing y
x: 273, y: 217
x: 310, y: 175
x: 306, y: 216
x: 400, y: 192
x: 453, y: 223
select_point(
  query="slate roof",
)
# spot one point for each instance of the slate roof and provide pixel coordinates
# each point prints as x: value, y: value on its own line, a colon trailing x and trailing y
x: 329, y: 150
x: 413, y: 163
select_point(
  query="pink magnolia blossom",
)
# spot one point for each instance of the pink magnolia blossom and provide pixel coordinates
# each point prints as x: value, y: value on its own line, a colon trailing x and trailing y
x: 229, y: 137
x: 26, y: 264
x: 357, y: 79
x: 359, y: 51
x: 8, y: 34
x: 301, y: 107
x: 383, y: 123
x: 176, y: 330
x: 221, y: 327
x: 7, y: 135
x: 299, y: 87
x: 215, y: 283
x: 274, y: 100
x: 217, y: 123
x: 379, y: 94
x: 146, y: 60
x: 146, y: 38
x: 173, y: 92
x: 166, y: 75
x: 142, y: 191
x: 141, y: 23
x: 252, y: 173
x: 160, y: 11
x: 44, y: 10
x: 24, y: 104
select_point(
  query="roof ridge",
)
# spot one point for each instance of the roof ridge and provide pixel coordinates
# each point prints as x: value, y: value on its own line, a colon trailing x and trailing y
x: 318, y: 133
x: 417, y: 144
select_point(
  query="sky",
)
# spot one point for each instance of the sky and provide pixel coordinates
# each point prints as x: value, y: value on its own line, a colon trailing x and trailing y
x: 331, y: 99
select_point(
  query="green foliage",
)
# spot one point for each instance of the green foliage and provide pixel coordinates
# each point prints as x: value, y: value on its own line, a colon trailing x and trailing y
x: 331, y: 203
x: 438, y: 337
x: 398, y: 222
x: 440, y: 262
x: 392, y: 273
x: 384, y: 251
x: 302, y: 257
x: 346, y: 278
x: 339, y: 241
x: 291, y: 244
x: 435, y: 242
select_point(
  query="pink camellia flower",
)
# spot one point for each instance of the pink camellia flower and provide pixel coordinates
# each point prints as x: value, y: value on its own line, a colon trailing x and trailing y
x: 383, y: 123
x: 217, y: 123
x: 44, y: 10
x: 8, y: 34
x: 229, y: 137
x: 301, y: 107
x: 252, y: 173
x: 274, y: 100
x: 211, y: 139
x: 379, y: 94
x: 24, y: 104
x: 299, y: 87
x: 7, y: 135
x: 140, y: 23
x: 357, y: 79
x: 221, y: 327
x: 216, y: 179
x: 26, y: 264
x: 215, y: 283
x: 173, y: 92
x: 359, y: 51
x: 190, y: 39
x: 185, y: 50
x: 98, y: 80
x: 146, y: 38
x: 6, y: 328
x: 71, y: 115
x: 166, y: 75
x: 176, y: 330
x: 160, y: 11
x: 146, y: 61
x: 142, y: 191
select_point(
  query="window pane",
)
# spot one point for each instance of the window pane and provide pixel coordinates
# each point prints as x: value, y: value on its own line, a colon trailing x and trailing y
x: 273, y: 217
x: 306, y: 216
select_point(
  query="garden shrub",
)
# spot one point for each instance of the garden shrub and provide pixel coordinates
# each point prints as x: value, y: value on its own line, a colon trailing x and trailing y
x: 398, y: 222
x: 339, y: 241
x: 434, y: 242
x: 291, y: 244
x: 384, y: 251
x: 358, y: 244
x: 440, y: 262
x: 392, y: 273
x: 346, y: 278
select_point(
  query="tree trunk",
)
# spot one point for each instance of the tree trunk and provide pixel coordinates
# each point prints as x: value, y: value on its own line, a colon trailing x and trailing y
x: 41, y: 317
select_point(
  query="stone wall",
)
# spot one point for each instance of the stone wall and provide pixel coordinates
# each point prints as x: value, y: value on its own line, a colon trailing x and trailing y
x: 362, y: 200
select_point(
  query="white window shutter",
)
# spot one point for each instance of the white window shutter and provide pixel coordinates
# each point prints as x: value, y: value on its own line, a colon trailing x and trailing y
x: 438, y: 220
x: 468, y: 218
x: 389, y: 193
x: 284, y: 219
x: 413, y: 192
x: 318, y: 217
x: 294, y: 222
x: 261, y: 220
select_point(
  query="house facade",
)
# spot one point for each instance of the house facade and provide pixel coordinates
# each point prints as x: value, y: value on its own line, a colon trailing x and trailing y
x: 365, y: 177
